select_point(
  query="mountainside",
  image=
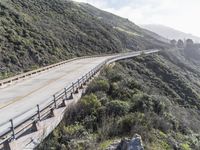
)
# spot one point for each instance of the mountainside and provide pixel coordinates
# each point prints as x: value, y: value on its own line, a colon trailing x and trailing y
x: 36, y: 33
x: 124, y: 25
x: 155, y: 96
x: 170, y: 33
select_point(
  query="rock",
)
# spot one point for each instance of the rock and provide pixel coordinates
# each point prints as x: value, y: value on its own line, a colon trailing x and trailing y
x: 123, y: 145
x: 128, y: 144
x: 136, y: 143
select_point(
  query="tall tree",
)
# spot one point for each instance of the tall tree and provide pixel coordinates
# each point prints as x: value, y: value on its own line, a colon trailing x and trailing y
x: 189, y: 43
x: 173, y: 42
x: 180, y: 43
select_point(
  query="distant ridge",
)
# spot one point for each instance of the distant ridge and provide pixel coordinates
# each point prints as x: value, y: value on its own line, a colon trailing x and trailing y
x: 170, y: 33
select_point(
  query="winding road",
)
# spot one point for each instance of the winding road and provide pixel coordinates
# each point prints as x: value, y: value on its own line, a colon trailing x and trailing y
x: 22, y: 96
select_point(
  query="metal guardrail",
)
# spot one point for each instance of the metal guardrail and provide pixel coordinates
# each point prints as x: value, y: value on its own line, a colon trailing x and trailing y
x: 41, y: 112
x: 18, y: 126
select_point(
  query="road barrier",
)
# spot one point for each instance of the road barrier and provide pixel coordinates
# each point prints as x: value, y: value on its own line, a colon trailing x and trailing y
x: 27, y: 121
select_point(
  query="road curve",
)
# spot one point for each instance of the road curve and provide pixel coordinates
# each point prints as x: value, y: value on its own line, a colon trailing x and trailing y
x: 25, y: 95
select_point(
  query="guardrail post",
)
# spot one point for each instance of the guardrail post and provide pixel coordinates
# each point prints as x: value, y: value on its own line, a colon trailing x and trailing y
x: 65, y: 93
x: 76, y: 90
x: 13, y: 129
x: 38, y: 111
x: 84, y: 80
x: 78, y: 82
x: 54, y: 99
x: 73, y: 88
x: 90, y: 75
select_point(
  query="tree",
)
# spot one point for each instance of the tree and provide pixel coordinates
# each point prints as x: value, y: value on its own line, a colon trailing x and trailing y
x: 189, y: 43
x: 180, y: 43
x: 173, y: 42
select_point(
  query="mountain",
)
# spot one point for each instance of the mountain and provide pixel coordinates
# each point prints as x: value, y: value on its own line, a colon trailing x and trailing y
x: 37, y: 33
x: 170, y: 33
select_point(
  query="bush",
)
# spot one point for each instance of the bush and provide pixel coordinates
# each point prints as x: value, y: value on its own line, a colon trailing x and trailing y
x: 134, y: 123
x: 14, y: 59
x: 160, y: 123
x: 99, y: 85
x: 89, y: 104
x: 145, y: 103
x: 74, y: 131
x: 117, y: 108
x: 185, y: 147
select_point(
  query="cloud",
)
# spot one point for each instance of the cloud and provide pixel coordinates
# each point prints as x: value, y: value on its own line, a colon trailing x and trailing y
x: 179, y: 14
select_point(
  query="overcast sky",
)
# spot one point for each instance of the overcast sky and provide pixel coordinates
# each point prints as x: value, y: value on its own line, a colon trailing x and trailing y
x: 179, y: 14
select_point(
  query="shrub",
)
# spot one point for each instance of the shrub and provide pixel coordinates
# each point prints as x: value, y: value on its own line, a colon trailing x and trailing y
x: 161, y: 123
x: 145, y: 103
x: 99, y: 85
x: 117, y: 108
x: 185, y: 147
x: 73, y: 131
x: 134, y: 123
x: 133, y: 84
x: 14, y: 59
x: 89, y: 104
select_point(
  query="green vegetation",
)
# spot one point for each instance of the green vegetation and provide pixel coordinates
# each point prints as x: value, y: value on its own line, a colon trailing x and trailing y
x: 154, y: 96
x: 38, y: 33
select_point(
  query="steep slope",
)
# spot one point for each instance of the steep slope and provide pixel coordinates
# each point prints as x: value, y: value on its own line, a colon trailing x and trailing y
x: 170, y: 33
x: 36, y: 33
x: 155, y: 96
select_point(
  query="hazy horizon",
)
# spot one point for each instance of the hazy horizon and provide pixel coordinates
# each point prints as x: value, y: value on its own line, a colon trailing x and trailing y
x: 178, y: 14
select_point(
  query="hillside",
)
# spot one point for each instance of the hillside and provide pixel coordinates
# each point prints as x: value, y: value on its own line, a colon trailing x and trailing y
x: 170, y: 33
x: 37, y: 33
x: 155, y: 96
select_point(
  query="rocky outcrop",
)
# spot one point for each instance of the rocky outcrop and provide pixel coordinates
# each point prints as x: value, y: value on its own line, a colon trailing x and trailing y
x: 128, y: 144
